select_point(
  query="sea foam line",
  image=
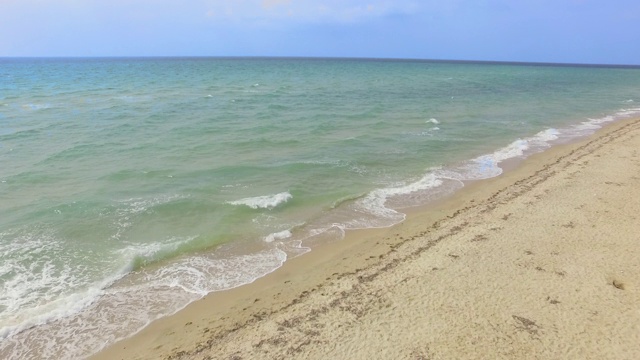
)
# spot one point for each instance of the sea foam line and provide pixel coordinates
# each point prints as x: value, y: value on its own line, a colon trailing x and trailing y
x: 125, y: 308
x: 376, y: 202
x: 281, y: 235
x: 263, y: 202
x: 439, y: 182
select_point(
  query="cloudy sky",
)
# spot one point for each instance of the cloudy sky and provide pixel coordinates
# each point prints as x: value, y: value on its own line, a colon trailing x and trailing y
x: 574, y: 31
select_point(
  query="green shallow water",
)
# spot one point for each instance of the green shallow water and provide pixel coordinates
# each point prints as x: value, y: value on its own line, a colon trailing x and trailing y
x: 139, y: 185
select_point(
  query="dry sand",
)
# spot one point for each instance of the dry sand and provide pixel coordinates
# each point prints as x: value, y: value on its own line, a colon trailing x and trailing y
x: 540, y: 263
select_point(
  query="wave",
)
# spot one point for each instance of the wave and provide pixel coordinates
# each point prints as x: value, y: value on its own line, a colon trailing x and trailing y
x: 278, y: 236
x: 376, y: 199
x: 139, y: 255
x: 591, y: 125
x: 36, y: 107
x: 138, y: 205
x: 263, y: 202
x: 380, y: 207
x: 109, y: 315
x: 21, y: 299
x: 38, y: 288
x: 127, y: 209
x: 115, y: 310
x: 67, y: 290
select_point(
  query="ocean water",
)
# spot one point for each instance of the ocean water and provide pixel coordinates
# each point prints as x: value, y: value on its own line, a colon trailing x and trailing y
x: 132, y: 187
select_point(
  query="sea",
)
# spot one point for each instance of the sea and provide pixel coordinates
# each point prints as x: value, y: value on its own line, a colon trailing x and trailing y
x: 131, y: 187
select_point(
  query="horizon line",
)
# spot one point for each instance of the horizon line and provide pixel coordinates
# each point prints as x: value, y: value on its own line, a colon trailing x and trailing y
x: 382, y: 59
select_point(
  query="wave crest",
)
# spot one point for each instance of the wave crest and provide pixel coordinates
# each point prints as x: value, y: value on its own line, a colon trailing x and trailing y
x: 264, y: 202
x: 278, y: 236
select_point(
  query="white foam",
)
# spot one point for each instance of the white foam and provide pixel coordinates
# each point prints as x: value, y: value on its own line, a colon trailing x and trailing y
x: 486, y: 166
x: 378, y: 207
x: 58, y: 308
x: 43, y: 291
x: 36, y: 106
x: 623, y: 113
x: 281, y: 235
x: 263, y: 202
x: 433, y: 121
x: 38, y: 289
x: 127, y: 307
x: 546, y: 136
x: 372, y: 210
x: 138, y: 205
x: 293, y: 248
x: 204, y: 274
x: 28, y: 276
x: 513, y: 150
x: 82, y: 323
x: 589, y: 126
x: 428, y: 181
x: 429, y: 132
x: 151, y: 251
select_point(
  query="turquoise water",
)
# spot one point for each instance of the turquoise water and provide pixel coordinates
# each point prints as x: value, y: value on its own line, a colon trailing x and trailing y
x: 132, y: 187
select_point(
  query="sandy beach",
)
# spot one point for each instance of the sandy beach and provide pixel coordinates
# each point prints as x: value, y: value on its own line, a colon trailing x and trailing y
x: 539, y: 263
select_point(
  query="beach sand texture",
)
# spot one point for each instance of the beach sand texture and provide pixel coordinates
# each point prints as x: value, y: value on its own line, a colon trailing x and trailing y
x: 540, y: 263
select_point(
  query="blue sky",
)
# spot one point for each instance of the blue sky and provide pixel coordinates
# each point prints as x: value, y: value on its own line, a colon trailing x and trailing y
x: 574, y: 31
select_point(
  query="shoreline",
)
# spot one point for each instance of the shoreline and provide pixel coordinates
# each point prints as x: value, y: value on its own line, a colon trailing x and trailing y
x: 339, y: 288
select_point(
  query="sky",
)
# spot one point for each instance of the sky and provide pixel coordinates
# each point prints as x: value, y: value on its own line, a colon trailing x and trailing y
x: 564, y: 31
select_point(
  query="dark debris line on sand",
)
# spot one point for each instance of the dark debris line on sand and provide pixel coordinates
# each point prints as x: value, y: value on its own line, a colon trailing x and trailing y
x: 299, y: 331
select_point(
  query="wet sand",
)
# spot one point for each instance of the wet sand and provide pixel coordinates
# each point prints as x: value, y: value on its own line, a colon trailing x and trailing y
x: 539, y: 263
